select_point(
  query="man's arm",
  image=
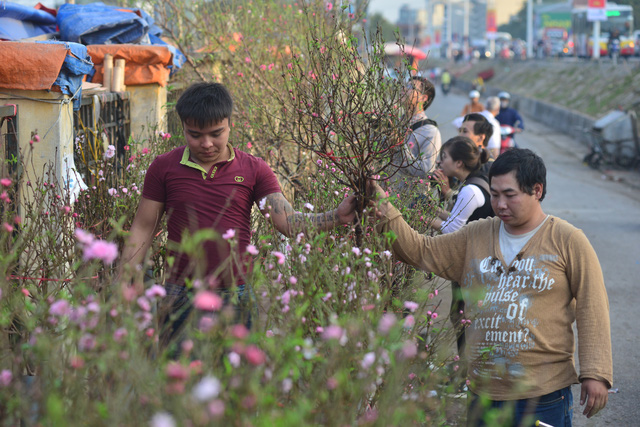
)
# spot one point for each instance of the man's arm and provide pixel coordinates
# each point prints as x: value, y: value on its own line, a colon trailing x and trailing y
x: 592, y: 319
x: 519, y: 121
x: 141, y: 235
x: 289, y: 222
x: 444, y: 254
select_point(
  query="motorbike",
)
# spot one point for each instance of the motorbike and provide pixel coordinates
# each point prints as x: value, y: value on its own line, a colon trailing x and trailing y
x: 446, y: 87
x: 506, y: 133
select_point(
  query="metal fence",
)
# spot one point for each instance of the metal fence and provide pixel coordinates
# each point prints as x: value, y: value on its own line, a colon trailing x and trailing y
x: 102, y: 120
x: 9, y: 146
x: 9, y: 133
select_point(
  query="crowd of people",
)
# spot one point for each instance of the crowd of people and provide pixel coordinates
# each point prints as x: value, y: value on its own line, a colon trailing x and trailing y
x: 521, y: 277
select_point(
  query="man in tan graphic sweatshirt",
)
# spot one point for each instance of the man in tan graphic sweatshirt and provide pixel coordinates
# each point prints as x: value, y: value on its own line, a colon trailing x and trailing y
x: 526, y: 277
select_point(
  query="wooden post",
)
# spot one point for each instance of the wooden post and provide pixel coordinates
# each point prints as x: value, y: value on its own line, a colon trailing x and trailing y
x: 118, y: 76
x: 107, y: 72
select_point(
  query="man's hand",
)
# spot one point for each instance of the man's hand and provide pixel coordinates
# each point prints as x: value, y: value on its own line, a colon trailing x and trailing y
x: 378, y: 198
x: 595, y: 394
x: 346, y: 210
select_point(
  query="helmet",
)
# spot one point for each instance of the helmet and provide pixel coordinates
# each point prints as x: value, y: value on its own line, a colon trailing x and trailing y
x: 474, y: 94
x: 504, y: 95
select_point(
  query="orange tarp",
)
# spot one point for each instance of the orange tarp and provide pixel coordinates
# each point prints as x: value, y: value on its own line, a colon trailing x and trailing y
x: 143, y: 64
x: 30, y: 66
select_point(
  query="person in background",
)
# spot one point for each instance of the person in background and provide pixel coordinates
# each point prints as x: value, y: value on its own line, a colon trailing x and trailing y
x: 508, y: 115
x: 445, y: 81
x: 462, y: 159
x: 422, y: 144
x: 424, y: 140
x: 492, y: 108
x: 474, y: 106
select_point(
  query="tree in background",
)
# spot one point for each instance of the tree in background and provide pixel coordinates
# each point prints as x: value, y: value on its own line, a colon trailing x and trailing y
x: 387, y: 29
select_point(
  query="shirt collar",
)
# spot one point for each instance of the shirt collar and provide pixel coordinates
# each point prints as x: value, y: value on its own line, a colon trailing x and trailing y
x: 187, y: 154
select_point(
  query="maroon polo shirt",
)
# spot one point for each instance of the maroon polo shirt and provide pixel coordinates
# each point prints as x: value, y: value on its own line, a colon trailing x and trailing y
x: 219, y: 199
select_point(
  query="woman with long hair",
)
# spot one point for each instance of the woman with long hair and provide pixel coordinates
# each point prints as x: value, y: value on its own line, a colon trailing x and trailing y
x: 462, y: 159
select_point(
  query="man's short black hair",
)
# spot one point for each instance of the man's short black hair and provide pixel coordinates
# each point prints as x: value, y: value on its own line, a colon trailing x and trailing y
x: 482, y: 126
x: 203, y: 104
x: 529, y: 168
x: 427, y: 89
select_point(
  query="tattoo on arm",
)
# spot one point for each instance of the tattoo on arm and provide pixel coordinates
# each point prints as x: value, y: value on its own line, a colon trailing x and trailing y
x: 298, y: 221
x: 322, y: 221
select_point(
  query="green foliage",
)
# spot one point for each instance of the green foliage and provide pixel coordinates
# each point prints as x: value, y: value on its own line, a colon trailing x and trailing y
x: 343, y: 334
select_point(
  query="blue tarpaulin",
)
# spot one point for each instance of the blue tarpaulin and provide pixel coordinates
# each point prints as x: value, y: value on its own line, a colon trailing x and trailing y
x: 21, y: 22
x: 97, y: 23
x: 77, y: 63
x: 178, y: 58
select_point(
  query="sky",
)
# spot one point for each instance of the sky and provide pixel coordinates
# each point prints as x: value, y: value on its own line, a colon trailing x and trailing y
x: 389, y: 8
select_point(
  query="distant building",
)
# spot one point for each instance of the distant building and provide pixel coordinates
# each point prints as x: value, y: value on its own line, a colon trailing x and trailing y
x: 412, y: 24
x: 427, y: 27
x: 477, y: 20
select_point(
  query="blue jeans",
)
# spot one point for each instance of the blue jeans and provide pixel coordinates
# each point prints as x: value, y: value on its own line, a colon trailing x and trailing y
x: 177, y: 307
x: 554, y: 409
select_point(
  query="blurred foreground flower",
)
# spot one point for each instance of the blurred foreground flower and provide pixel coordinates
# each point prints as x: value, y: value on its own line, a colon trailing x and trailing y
x: 207, y: 301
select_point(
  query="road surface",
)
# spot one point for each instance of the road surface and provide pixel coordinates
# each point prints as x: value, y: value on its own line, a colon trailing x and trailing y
x: 606, y: 206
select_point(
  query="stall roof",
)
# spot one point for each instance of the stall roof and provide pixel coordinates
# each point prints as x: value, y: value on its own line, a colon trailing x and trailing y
x: 144, y: 64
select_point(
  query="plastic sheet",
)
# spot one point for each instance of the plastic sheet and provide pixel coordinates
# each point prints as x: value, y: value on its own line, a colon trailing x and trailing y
x: 97, y: 23
x: 76, y: 64
x: 20, y: 22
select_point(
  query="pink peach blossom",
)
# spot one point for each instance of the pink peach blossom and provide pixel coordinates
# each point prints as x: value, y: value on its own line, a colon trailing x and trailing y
x: 207, y: 301
x: 255, y: 356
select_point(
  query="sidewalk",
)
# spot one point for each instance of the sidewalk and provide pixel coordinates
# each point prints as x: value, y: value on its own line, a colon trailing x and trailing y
x: 578, y: 149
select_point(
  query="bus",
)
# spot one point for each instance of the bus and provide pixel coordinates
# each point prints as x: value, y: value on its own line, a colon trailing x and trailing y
x: 619, y: 18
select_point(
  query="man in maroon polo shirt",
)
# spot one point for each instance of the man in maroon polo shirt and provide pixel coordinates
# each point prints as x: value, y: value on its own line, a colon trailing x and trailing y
x: 208, y: 184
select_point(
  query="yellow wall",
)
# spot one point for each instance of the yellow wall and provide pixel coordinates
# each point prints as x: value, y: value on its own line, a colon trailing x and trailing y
x: 147, y: 110
x: 50, y: 114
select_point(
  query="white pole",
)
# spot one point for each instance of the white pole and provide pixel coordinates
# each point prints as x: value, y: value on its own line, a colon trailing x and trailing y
x: 449, y: 29
x: 465, y: 31
x: 529, y: 28
x: 596, y: 40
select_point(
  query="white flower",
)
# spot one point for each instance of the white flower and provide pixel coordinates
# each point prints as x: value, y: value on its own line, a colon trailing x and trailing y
x: 287, y: 384
x: 234, y: 359
x: 308, y: 206
x: 162, y: 419
x: 111, y: 151
x: 262, y: 203
x: 208, y: 388
x: 368, y: 360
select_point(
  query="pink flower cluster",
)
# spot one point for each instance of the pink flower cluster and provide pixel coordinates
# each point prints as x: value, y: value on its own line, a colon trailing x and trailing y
x: 94, y: 248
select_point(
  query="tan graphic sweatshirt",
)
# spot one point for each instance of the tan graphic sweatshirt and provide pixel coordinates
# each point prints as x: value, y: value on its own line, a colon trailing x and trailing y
x: 520, y: 341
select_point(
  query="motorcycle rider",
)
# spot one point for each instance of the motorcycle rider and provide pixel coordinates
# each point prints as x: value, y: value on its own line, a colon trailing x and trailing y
x: 474, y: 106
x: 613, y: 46
x: 509, y: 116
x: 445, y: 81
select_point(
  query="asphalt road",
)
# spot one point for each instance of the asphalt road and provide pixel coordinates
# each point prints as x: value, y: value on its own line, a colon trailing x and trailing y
x: 606, y: 206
